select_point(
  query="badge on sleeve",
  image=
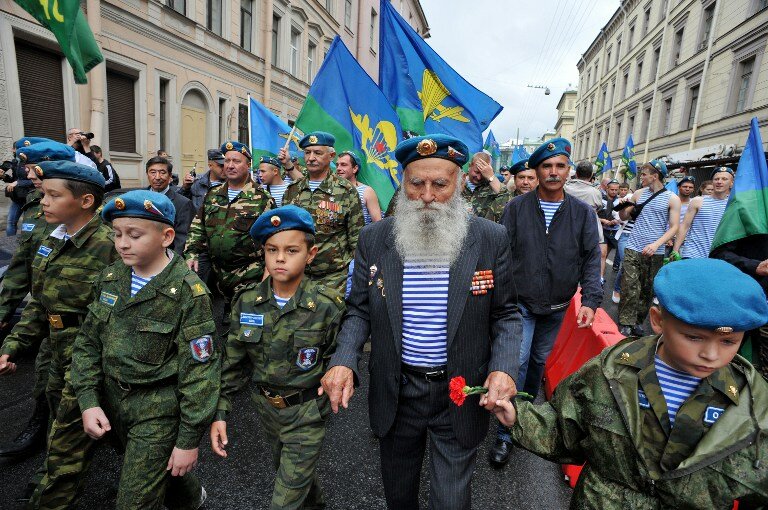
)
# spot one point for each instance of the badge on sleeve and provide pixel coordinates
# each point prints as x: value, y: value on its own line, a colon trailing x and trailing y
x: 712, y: 414
x: 307, y: 357
x: 642, y: 399
x: 27, y: 227
x: 252, y: 319
x: 44, y: 251
x: 108, y: 299
x: 202, y: 348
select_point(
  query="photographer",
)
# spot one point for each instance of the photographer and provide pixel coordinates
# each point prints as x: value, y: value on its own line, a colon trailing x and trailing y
x: 81, y: 142
x: 17, y: 190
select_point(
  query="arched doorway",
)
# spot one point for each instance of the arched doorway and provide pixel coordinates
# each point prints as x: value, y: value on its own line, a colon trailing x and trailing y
x: 193, y: 127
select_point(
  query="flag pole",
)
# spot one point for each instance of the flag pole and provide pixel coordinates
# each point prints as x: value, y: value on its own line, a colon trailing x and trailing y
x: 288, y: 141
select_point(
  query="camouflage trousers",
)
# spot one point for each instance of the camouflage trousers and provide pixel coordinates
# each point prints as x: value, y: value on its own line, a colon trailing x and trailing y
x: 296, y: 434
x: 145, y: 422
x: 42, y: 366
x: 637, y: 286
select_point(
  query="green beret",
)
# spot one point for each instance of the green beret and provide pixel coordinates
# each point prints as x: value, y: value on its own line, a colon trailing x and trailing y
x: 432, y: 146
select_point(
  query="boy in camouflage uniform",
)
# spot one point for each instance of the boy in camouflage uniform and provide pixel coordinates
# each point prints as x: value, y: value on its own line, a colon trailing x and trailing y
x: 666, y: 421
x: 283, y: 334
x: 144, y: 364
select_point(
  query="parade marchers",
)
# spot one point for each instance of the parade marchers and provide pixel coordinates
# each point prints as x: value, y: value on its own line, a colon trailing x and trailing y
x: 125, y: 335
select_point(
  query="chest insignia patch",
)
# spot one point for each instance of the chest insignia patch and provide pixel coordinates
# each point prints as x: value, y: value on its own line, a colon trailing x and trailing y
x: 44, y: 251
x: 251, y: 319
x: 108, y: 299
x: 201, y: 348
x: 307, y: 357
x: 712, y: 414
x: 27, y: 227
x: 642, y: 400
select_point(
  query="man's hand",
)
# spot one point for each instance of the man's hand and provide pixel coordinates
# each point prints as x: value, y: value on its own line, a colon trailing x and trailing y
x: 485, y: 169
x: 505, y: 412
x: 188, y: 180
x: 762, y: 270
x: 219, y: 438
x: 10, y: 186
x: 182, y: 461
x: 6, y: 367
x: 193, y: 264
x: 650, y: 249
x: 585, y: 317
x: 283, y: 156
x: 500, y: 387
x: 339, y: 384
x: 95, y: 423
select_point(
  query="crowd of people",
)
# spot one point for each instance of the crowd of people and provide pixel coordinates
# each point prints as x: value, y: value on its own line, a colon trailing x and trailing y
x: 460, y: 286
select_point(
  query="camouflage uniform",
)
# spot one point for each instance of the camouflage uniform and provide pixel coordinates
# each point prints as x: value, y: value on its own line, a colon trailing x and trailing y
x: 220, y: 229
x: 135, y: 358
x: 335, y: 207
x: 285, y: 352
x: 484, y: 202
x: 637, y: 286
x: 634, y: 459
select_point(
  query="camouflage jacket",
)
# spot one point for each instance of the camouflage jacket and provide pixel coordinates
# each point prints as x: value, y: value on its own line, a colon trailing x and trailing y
x: 65, y: 273
x: 286, y: 348
x: 221, y: 228
x: 611, y: 413
x: 17, y: 280
x: 335, y: 207
x: 484, y: 202
x: 165, y: 334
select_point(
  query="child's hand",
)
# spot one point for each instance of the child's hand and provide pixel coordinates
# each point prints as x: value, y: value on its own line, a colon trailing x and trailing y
x: 505, y: 412
x: 6, y: 367
x: 219, y: 438
x: 95, y: 422
x: 182, y: 461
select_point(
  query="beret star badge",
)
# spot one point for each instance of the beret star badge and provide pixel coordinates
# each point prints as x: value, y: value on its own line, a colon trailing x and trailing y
x: 426, y: 147
x: 27, y: 143
x: 312, y: 139
x: 119, y: 204
x: 38, y: 171
x: 550, y: 146
x: 275, y: 221
x: 229, y: 146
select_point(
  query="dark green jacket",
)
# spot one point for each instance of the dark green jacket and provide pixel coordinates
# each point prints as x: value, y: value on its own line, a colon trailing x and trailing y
x: 633, y: 459
x: 484, y: 202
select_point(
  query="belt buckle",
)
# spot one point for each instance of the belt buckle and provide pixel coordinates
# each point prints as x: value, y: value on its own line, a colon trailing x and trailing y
x: 434, y: 373
x: 278, y: 402
x: 56, y: 321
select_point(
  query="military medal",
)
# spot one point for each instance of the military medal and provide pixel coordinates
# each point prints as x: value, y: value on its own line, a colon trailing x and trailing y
x: 380, y: 286
x: 482, y: 281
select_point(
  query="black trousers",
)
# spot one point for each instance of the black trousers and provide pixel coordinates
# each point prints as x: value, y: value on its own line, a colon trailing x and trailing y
x: 422, y: 415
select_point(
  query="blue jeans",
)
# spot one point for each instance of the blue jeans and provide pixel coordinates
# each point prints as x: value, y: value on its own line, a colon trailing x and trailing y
x: 14, y: 213
x: 539, y: 335
x: 620, y: 257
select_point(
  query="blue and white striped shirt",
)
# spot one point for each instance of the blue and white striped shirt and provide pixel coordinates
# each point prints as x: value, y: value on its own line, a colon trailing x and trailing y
x: 549, y: 209
x: 699, y: 239
x: 138, y: 283
x: 360, y: 191
x: 425, y: 311
x: 471, y: 186
x: 313, y: 185
x: 280, y: 301
x: 652, y: 222
x: 676, y: 386
x: 232, y: 194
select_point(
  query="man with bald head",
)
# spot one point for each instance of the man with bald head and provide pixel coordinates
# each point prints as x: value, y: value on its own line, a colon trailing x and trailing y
x: 432, y: 288
x: 483, y: 192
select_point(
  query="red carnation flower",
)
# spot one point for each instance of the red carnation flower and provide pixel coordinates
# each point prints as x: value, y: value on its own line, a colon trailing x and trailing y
x: 458, y: 390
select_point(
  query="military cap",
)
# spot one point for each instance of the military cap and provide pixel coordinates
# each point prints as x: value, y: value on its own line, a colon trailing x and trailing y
x: 287, y: 217
x: 236, y: 146
x: 518, y: 167
x: 317, y: 138
x: 722, y: 169
x: 46, y: 151
x: 141, y: 203
x: 216, y: 155
x: 70, y: 171
x: 550, y: 149
x: 29, y: 140
x: 432, y: 146
x: 660, y: 166
x: 271, y: 160
x: 687, y: 178
x: 353, y: 157
x: 725, y: 299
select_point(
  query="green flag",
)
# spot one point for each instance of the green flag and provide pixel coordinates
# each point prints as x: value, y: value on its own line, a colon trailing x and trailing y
x: 67, y: 22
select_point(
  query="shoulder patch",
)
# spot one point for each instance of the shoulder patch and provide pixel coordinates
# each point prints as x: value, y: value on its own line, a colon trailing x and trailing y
x: 197, y: 286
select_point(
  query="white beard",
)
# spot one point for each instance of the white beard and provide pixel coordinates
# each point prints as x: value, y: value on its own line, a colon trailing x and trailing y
x: 437, y: 230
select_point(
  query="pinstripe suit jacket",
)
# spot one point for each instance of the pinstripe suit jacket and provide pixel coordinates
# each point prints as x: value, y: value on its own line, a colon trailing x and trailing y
x: 484, y: 331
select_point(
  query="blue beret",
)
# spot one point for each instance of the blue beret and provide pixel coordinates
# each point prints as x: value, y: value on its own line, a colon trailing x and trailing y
x: 70, y: 171
x: 317, y: 138
x: 287, y: 217
x: 46, y: 151
x: 724, y: 298
x: 687, y: 178
x: 355, y: 158
x: 216, y: 155
x: 236, y: 146
x: 29, y: 140
x: 550, y: 149
x: 141, y: 203
x: 432, y: 146
x: 721, y: 169
x: 660, y: 166
x: 518, y: 167
x: 271, y: 160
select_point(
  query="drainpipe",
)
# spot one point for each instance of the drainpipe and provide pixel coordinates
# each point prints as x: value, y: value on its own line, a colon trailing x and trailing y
x: 703, y: 83
x: 656, y: 84
x: 268, y: 53
x: 97, y: 78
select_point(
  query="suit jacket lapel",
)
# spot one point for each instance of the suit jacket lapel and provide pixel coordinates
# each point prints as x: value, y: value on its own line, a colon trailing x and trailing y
x: 391, y: 272
x: 460, y: 280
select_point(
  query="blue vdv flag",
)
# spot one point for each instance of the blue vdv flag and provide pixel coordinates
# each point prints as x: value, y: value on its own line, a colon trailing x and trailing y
x: 268, y: 132
x: 492, y: 146
x: 672, y: 186
x: 604, y: 161
x: 628, y: 157
x: 519, y: 153
x: 428, y: 95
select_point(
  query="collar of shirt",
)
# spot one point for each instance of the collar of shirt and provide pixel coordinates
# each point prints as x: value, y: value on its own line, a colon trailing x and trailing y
x: 60, y: 232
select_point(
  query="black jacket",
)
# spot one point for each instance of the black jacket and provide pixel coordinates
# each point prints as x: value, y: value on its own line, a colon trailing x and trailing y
x: 549, y: 266
x: 185, y: 213
x: 746, y: 254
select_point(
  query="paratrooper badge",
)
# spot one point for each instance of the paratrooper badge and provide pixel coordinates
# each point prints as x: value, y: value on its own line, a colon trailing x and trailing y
x: 312, y: 139
x: 229, y: 146
x: 275, y: 221
x: 550, y: 146
x: 454, y: 154
x: 426, y: 147
x: 119, y: 204
x: 38, y: 171
x: 202, y: 348
x: 642, y: 400
x: 27, y: 143
x: 307, y: 357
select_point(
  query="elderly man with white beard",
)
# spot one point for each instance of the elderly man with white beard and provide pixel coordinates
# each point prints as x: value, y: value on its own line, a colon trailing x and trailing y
x: 432, y: 287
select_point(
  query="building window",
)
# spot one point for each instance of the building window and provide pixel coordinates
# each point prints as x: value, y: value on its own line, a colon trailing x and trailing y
x: 591, y: 108
x: 706, y: 28
x: 275, y: 39
x: 761, y: 4
x: 631, y: 125
x: 663, y: 11
x: 121, y: 111
x: 179, y: 6
x: 246, y: 24
x: 677, y: 45
x: 618, y: 51
x: 604, y: 105
x: 638, y: 76
x: 348, y: 14
x: 647, y: 20
x: 311, y: 57
x: 608, y: 58
x: 631, y: 36
x: 42, y: 101
x: 597, y: 70
x: 625, y: 84
x: 743, y: 81
x: 163, y: 113
x: 242, y: 123
x: 656, y: 58
x: 613, y: 93
x: 646, y: 121
x: 222, y: 119
x: 589, y: 79
x: 295, y: 45
x: 373, y: 29
x: 693, y: 100
x: 666, y: 120
x: 329, y: 6
x: 213, y: 16
x: 618, y: 133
